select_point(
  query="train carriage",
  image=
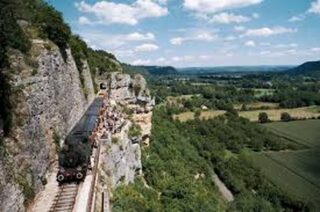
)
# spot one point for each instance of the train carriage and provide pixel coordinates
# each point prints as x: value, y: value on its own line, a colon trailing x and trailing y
x: 74, y: 158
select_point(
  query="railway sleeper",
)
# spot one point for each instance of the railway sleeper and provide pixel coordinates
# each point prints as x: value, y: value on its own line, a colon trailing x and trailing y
x: 65, y: 201
x: 69, y: 204
x: 69, y: 191
x: 58, y: 198
x: 62, y: 208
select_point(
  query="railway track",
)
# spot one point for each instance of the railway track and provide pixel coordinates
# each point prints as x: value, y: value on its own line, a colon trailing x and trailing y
x: 65, y: 198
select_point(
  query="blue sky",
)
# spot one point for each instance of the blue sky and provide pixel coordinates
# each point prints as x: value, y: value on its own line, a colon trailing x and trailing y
x: 186, y: 33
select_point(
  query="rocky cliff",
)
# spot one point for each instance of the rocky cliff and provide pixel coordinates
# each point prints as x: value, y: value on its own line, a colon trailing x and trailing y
x: 48, y: 100
x: 121, y: 150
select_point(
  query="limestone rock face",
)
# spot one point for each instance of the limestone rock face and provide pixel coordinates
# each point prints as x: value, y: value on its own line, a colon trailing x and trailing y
x: 122, y: 159
x: 128, y: 90
x: 120, y: 87
x: 49, y: 100
x: 121, y: 154
x: 88, y: 83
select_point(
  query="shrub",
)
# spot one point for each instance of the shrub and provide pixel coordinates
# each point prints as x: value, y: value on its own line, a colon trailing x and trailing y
x: 52, y: 26
x: 11, y: 36
x: 137, y: 89
x: 197, y: 114
x: 263, y: 117
x: 27, y: 189
x: 56, y: 139
x: 79, y: 53
x: 115, y: 140
x: 134, y: 131
x: 285, y: 117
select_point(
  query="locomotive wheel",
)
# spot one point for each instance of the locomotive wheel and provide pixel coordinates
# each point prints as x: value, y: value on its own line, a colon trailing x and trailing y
x: 60, y: 178
x: 79, y: 176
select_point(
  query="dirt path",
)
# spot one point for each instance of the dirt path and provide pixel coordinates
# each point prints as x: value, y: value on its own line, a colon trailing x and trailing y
x: 226, y: 193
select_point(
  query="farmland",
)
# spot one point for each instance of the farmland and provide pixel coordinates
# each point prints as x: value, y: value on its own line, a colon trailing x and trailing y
x: 275, y: 114
x: 252, y: 115
x: 204, y: 115
x: 257, y: 106
x: 306, y: 132
x: 295, y: 172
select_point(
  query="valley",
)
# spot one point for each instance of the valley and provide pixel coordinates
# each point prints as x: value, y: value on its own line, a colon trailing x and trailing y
x: 157, y: 115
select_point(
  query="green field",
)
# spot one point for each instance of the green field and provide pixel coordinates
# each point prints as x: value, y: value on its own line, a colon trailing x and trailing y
x: 295, y: 172
x: 307, y: 132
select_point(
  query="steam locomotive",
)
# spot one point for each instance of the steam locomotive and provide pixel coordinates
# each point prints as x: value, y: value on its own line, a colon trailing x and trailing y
x: 74, y: 157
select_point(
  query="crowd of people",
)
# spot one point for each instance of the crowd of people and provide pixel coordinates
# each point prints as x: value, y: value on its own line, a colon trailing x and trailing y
x: 110, y: 120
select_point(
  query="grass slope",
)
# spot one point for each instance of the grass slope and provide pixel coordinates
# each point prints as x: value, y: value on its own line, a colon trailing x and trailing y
x: 307, y: 132
x: 296, y: 172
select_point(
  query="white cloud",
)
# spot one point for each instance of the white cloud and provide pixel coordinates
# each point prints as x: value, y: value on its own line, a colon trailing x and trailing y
x: 177, y: 41
x: 136, y: 36
x: 315, y: 7
x: 205, y: 57
x: 315, y: 49
x: 161, y: 60
x: 124, y: 53
x: 290, y: 45
x: 141, y: 62
x: 107, y: 12
x: 230, y: 38
x: 277, y: 54
x: 115, y: 42
x: 250, y: 43
x: 147, y: 47
x: 213, y: 6
x: 297, y: 18
x: 202, y: 36
x: 227, y: 18
x: 186, y: 58
x: 239, y: 28
x: 84, y: 20
x: 266, y: 31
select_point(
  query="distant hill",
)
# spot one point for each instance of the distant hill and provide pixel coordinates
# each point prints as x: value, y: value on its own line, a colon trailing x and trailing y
x: 231, y: 69
x: 161, y: 70
x: 152, y: 70
x: 311, y: 68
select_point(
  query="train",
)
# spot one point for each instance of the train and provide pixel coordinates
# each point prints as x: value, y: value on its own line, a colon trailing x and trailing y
x: 74, y: 157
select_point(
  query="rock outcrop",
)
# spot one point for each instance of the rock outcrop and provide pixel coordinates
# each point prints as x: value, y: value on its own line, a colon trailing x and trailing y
x: 121, y: 151
x: 127, y: 90
x: 49, y: 99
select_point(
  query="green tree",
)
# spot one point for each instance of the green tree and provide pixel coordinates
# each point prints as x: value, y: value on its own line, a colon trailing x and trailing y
x: 285, y: 117
x: 52, y: 25
x: 11, y: 36
x: 244, y: 107
x: 263, y: 117
x: 197, y: 114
